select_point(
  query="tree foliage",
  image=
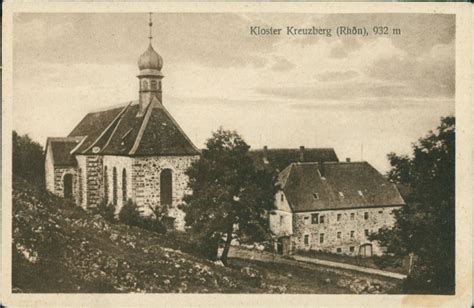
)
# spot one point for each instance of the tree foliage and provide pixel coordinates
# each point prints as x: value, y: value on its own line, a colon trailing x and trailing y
x: 27, y: 159
x: 229, y: 195
x: 425, y: 227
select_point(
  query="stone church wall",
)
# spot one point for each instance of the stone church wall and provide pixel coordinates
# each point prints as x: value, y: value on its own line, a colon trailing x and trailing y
x: 121, y: 163
x: 146, y: 182
x: 344, y: 235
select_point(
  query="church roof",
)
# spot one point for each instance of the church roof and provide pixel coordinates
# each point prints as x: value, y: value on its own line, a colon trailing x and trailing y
x: 281, y: 158
x: 119, y: 131
x: 61, y: 150
x: 336, y: 185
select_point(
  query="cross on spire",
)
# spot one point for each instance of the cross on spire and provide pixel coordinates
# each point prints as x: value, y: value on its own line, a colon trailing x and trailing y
x: 150, y: 24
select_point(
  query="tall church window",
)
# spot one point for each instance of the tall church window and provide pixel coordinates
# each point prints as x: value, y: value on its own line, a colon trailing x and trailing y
x: 106, y: 186
x: 166, y: 187
x: 114, y: 186
x: 124, y: 186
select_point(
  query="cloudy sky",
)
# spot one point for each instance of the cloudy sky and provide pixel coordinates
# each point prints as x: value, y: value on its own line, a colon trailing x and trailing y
x: 382, y: 92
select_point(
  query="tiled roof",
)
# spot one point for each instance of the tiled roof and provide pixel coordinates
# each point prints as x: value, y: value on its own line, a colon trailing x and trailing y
x: 281, y: 158
x: 61, y: 149
x: 337, y: 185
x: 119, y: 131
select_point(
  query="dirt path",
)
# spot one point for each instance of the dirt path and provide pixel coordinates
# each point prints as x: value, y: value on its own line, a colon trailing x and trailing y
x: 236, y: 252
x: 351, y: 267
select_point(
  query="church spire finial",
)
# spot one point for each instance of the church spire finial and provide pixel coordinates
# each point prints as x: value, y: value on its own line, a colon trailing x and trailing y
x: 150, y: 23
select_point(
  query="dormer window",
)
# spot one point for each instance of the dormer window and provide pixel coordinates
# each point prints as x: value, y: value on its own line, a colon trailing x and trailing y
x: 315, y: 196
x: 360, y: 193
x: 341, y: 195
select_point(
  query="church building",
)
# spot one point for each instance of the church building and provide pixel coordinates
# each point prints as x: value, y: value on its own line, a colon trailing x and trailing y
x: 136, y: 151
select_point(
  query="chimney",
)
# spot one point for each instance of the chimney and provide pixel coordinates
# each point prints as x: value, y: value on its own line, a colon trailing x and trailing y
x: 301, y: 158
x: 265, y: 154
x: 348, y: 159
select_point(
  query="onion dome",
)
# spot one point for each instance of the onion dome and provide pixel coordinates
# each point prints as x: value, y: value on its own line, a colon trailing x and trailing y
x: 150, y: 62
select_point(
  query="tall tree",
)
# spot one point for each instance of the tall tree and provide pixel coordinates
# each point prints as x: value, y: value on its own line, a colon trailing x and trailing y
x: 229, y: 196
x: 27, y: 159
x: 425, y: 226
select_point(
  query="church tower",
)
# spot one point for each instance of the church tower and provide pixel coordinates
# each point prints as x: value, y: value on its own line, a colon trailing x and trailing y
x: 150, y: 64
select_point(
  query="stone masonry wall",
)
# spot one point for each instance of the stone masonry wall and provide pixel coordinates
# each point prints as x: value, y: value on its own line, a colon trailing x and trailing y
x: 93, y: 180
x: 343, y: 235
x: 121, y: 163
x: 59, y: 173
x: 146, y: 182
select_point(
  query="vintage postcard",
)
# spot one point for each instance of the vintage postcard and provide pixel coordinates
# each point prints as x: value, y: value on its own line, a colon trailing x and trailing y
x: 237, y: 154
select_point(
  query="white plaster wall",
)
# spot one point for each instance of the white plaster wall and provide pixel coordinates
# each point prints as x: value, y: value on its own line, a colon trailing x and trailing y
x: 281, y: 219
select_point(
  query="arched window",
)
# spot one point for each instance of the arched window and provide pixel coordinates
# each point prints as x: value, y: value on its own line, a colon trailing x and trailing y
x: 145, y: 85
x: 124, y: 186
x: 106, y: 186
x: 114, y: 186
x: 67, y: 186
x: 166, y: 187
x: 153, y: 84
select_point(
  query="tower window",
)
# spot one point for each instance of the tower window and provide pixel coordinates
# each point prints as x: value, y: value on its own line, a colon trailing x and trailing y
x: 145, y: 85
x: 154, y: 84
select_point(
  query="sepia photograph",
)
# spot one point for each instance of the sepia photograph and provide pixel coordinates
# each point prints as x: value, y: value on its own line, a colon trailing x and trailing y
x: 249, y: 152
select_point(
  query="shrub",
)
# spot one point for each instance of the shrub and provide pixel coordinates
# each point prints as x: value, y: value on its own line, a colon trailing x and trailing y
x: 129, y: 214
x: 107, y: 211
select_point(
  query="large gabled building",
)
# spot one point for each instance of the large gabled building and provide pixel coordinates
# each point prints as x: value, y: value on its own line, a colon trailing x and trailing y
x: 136, y: 151
x: 332, y: 207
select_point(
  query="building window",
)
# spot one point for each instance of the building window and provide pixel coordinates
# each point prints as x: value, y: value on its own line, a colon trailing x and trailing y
x: 352, y: 234
x: 341, y: 195
x: 338, y: 234
x: 321, y: 238
x: 339, y: 250
x: 366, y: 232
x: 306, y: 220
x: 351, y: 249
x: 360, y: 193
x: 124, y: 186
x: 314, y: 218
x: 153, y: 84
x: 144, y: 85
x: 282, y: 197
x: 315, y: 196
x: 114, y: 186
x: 106, y: 186
x: 352, y: 216
x: 306, y: 239
x: 281, y: 219
x: 339, y: 217
x: 321, y: 219
x: 166, y: 187
x: 380, y: 212
x: 366, y: 215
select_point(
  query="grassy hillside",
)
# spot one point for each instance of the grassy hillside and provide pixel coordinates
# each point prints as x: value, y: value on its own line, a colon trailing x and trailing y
x: 59, y: 247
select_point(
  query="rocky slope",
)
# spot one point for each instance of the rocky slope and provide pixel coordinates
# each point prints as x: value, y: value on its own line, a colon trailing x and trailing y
x: 58, y: 247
